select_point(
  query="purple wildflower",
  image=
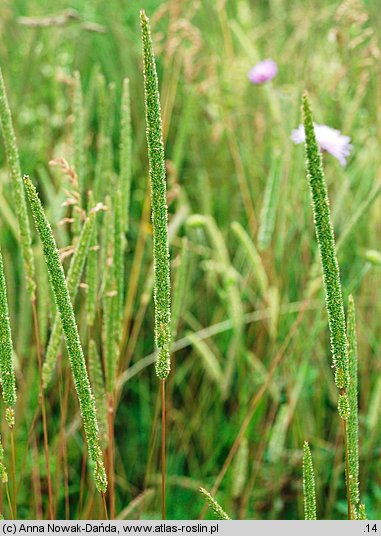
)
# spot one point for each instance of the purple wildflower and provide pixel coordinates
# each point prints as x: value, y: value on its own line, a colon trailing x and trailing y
x: 328, y: 139
x: 263, y: 72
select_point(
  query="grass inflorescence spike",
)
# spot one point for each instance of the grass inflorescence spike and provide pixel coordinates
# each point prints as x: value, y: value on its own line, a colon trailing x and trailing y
x: 18, y: 189
x: 73, y: 279
x: 352, y: 423
x: 125, y: 154
x: 326, y: 242
x: 77, y: 360
x: 7, y: 375
x: 331, y: 275
x: 159, y: 203
x: 213, y: 504
x: 308, y: 484
x: 79, y: 132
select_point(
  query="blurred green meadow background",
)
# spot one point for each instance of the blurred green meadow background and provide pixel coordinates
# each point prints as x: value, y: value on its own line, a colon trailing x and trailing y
x: 251, y: 350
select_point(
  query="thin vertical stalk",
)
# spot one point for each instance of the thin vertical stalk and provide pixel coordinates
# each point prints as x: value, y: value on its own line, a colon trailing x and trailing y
x: 163, y: 512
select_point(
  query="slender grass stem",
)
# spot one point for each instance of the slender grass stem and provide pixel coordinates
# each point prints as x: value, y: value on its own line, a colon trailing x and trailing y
x: 163, y: 424
x: 14, y: 485
x: 104, y: 505
x: 9, y: 501
x: 345, y: 433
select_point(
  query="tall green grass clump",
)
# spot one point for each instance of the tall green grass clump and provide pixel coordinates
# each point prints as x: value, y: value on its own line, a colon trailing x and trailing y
x: 17, y: 188
x: 308, y: 484
x: 77, y: 360
x: 159, y: 203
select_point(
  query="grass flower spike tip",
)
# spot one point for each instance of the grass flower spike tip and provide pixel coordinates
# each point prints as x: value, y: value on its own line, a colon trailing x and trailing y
x: 328, y: 139
x: 159, y: 203
x: 74, y: 348
x: 213, y: 504
x: 7, y: 375
x: 308, y: 484
x: 326, y: 243
x: 262, y: 72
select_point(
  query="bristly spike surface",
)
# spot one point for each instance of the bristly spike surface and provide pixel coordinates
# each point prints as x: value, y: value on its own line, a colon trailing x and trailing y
x: 73, y: 279
x: 74, y: 348
x: 159, y: 203
x: 125, y: 154
x: 18, y: 189
x: 7, y: 375
x: 213, y: 504
x: 352, y: 421
x: 308, y: 484
x: 326, y: 242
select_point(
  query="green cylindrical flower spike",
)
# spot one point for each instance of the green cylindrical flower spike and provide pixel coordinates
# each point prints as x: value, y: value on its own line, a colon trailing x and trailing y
x: 110, y: 335
x: 352, y: 421
x: 109, y: 299
x: 255, y: 258
x: 180, y: 287
x: 3, y: 469
x: 118, y: 259
x: 104, y: 165
x: 326, y: 242
x: 79, y: 133
x: 7, y: 375
x: 92, y: 271
x: 125, y: 154
x: 240, y: 469
x: 81, y: 251
x: 308, y: 484
x: 74, y: 348
x: 73, y: 279
x: 213, y: 504
x: 17, y: 187
x: 270, y: 204
x: 159, y: 204
x: 98, y: 385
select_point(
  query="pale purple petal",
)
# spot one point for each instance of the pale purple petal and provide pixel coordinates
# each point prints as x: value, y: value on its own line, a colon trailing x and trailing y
x: 263, y: 72
x: 329, y: 139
